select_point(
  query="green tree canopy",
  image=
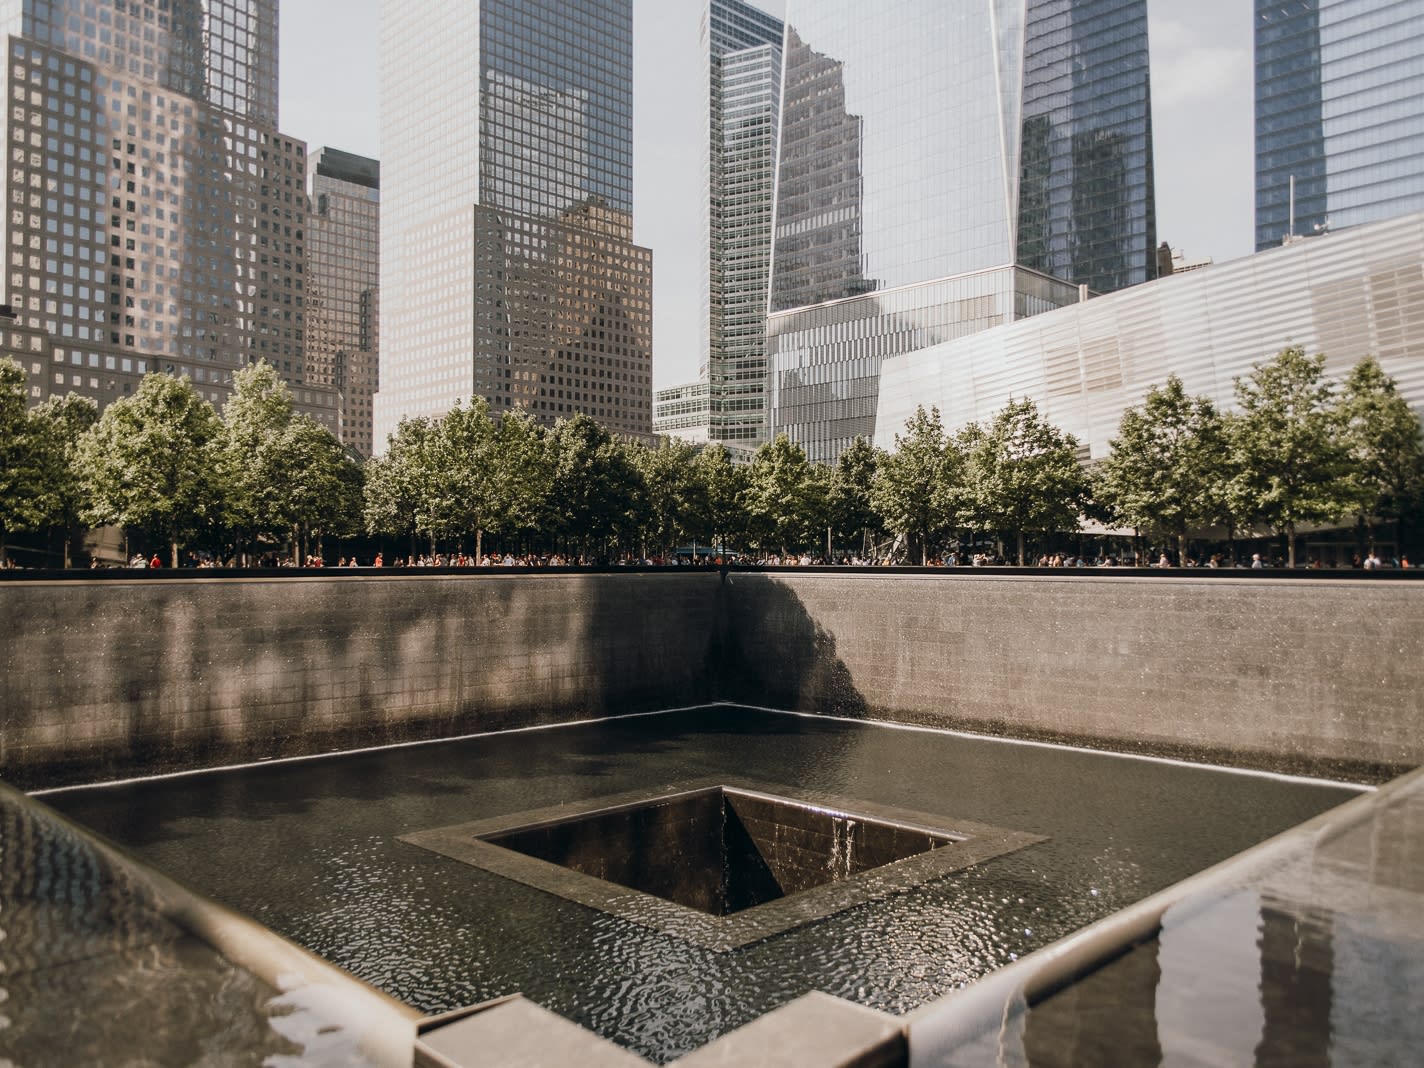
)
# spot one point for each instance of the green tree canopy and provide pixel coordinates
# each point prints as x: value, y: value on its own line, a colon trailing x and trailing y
x: 248, y: 454
x: 907, y: 492
x: 715, y: 499
x: 24, y: 486
x: 1022, y: 474
x: 848, y: 500
x: 58, y: 424
x: 676, y: 499
x: 147, y: 462
x: 396, y: 497
x: 1164, y: 466
x: 462, y: 453
x: 1382, y: 435
x: 1292, y: 463
x: 597, y: 492
x: 322, y: 484
x: 783, y: 501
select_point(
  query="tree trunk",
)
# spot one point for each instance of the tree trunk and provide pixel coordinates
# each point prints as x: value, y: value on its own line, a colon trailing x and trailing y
x: 479, y: 544
x: 1182, y: 549
x: 1290, y: 544
x: 173, y: 551
x: 1019, y: 535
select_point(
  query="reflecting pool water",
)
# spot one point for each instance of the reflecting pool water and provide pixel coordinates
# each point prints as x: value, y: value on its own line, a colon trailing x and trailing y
x: 312, y: 849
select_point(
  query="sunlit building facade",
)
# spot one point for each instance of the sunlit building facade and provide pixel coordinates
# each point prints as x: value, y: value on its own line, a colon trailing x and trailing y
x: 1339, y: 109
x: 945, y: 168
x: 508, y: 269
x: 742, y: 56
x: 343, y: 286
x: 156, y: 215
x: 1354, y: 294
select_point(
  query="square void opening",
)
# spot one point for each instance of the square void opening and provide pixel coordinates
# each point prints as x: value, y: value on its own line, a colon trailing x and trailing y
x: 721, y: 850
x: 722, y: 864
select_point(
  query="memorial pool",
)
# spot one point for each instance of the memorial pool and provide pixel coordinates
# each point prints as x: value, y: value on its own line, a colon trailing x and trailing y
x: 313, y: 850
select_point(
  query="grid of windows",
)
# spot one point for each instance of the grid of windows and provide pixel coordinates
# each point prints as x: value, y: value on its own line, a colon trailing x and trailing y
x: 343, y: 253
x: 508, y: 269
x: 1339, y: 108
x: 150, y: 228
x: 742, y: 51
x: 925, y: 150
x: 825, y: 381
x: 1086, y: 208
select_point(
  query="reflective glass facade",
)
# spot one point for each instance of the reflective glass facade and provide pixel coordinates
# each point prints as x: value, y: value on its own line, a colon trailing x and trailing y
x: 1339, y: 106
x: 156, y: 217
x: 744, y: 85
x: 1086, y: 208
x: 508, y: 269
x: 926, y: 149
x: 343, y: 286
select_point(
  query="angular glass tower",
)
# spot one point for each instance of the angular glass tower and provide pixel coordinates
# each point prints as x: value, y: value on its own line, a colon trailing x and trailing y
x: 507, y: 264
x: 944, y: 168
x: 1339, y: 107
x: 156, y: 215
x: 741, y: 49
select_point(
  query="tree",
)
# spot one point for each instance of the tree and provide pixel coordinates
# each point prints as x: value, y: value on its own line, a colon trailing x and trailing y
x: 462, y: 452
x: 248, y: 454
x: 676, y: 500
x: 1022, y: 474
x: 716, y: 514
x: 57, y: 426
x: 1382, y: 435
x: 397, y: 495
x: 1164, y: 465
x: 848, y: 499
x: 906, y: 493
x: 1292, y: 461
x: 22, y: 468
x: 321, y: 484
x: 783, y: 502
x: 523, y: 475
x: 597, y: 492
x: 147, y: 462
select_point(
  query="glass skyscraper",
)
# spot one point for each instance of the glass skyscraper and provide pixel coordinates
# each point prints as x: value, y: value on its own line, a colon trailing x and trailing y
x: 508, y: 269
x: 156, y: 215
x: 1339, y: 108
x: 944, y: 168
x: 741, y: 51
x: 343, y: 286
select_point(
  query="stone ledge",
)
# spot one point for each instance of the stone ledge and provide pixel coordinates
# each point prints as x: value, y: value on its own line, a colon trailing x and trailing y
x: 514, y: 1033
x: 814, y: 1031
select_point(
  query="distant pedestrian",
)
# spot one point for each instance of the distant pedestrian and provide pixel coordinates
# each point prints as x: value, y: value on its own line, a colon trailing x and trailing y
x: 1256, y: 564
x: 157, y: 561
x: 380, y: 561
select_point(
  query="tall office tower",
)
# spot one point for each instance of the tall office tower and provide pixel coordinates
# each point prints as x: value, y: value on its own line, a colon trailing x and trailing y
x: 343, y: 286
x: 156, y: 214
x: 945, y: 168
x: 1339, y: 108
x: 507, y: 264
x: 741, y: 49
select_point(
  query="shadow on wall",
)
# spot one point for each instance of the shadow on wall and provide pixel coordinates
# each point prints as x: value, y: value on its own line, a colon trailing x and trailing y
x: 192, y: 673
x: 803, y: 674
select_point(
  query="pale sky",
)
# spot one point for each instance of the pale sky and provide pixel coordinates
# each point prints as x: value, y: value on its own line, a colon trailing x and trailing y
x: 1201, y: 116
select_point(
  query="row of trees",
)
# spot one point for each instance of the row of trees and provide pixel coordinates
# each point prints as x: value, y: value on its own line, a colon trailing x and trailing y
x: 163, y: 461
x: 1299, y: 449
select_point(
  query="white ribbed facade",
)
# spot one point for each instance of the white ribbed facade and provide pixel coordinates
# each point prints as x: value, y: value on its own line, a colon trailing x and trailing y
x: 1349, y: 295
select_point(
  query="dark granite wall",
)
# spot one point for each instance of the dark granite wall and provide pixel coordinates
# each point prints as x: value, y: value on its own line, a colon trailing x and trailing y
x: 114, y: 677
x: 1314, y: 676
x: 108, y: 678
